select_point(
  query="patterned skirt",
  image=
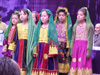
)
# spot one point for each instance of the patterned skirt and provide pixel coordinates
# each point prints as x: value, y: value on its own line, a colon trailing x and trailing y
x: 43, y: 64
x: 63, y: 58
x: 80, y: 65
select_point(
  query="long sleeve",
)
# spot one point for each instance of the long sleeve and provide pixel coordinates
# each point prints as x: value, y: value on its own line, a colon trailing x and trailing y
x: 72, y: 40
x: 12, y: 45
x: 90, y: 39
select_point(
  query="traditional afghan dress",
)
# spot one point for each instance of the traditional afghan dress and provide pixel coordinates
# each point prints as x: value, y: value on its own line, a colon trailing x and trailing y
x: 81, y: 45
x: 64, y: 33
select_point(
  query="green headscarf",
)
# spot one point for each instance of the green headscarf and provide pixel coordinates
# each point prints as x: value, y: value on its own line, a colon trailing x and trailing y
x: 51, y: 29
x: 6, y: 34
x: 88, y: 20
x: 31, y: 29
x: 89, y: 38
x: 51, y: 34
x: 68, y: 23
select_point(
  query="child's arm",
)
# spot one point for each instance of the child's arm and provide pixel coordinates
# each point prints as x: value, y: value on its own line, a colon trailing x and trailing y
x: 90, y: 41
x: 72, y: 40
x: 12, y: 45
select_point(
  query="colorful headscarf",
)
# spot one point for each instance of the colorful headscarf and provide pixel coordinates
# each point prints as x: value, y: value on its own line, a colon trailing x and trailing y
x: 51, y: 29
x: 88, y: 20
x: 52, y: 34
x: 67, y: 21
x: 37, y: 16
x: 89, y: 24
x: 6, y: 34
x: 31, y: 29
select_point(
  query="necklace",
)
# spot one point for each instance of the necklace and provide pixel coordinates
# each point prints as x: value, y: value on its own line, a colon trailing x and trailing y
x: 44, y: 26
x: 80, y: 25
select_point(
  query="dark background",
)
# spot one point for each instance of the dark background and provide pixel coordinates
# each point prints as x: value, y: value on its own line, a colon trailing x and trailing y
x: 7, y: 7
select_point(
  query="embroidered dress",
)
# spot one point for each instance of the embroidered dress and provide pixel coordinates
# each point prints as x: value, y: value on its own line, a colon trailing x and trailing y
x: 45, y: 63
x: 64, y: 34
x: 45, y: 49
x: 20, y: 39
x: 63, y: 51
x: 80, y: 65
x: 8, y: 43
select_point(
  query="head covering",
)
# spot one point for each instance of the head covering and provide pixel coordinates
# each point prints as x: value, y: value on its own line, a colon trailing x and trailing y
x: 52, y: 34
x: 37, y: 16
x: 6, y: 34
x: 89, y: 28
x: 51, y: 29
x: 88, y: 20
x: 68, y: 22
x: 31, y: 29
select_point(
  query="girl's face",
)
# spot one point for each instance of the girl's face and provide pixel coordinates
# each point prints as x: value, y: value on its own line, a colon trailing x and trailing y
x: 34, y: 17
x: 61, y: 17
x: 44, y: 17
x: 23, y: 16
x: 81, y: 16
x: 15, y: 19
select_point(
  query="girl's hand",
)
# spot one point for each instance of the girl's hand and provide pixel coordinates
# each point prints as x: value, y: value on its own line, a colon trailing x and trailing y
x: 88, y: 54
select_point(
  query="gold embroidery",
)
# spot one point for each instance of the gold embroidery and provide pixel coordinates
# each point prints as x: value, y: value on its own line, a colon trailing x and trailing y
x: 82, y: 71
x: 44, y: 72
x: 74, y: 59
x: 59, y: 43
x: 22, y: 31
x: 79, y: 59
x: 35, y: 73
x: 12, y: 46
x: 53, y: 50
x: 84, y: 8
x: 48, y: 73
x: 34, y: 50
x: 23, y: 72
x: 43, y: 35
x: 63, y: 58
x: 64, y: 67
x: 45, y: 56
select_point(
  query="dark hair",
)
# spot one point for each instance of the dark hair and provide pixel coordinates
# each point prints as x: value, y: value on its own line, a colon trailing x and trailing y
x: 16, y: 14
x: 36, y: 16
x: 46, y: 12
x: 0, y: 16
x: 25, y: 11
x: 84, y: 11
x: 61, y: 10
x: 8, y: 67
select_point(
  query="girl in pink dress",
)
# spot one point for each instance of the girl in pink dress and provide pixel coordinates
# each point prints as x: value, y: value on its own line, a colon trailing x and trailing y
x: 81, y: 44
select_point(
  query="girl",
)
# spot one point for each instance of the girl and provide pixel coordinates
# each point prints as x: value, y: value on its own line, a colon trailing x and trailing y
x: 36, y: 17
x: 45, y: 49
x: 22, y: 39
x: 9, y: 34
x: 64, y: 33
x: 81, y: 44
